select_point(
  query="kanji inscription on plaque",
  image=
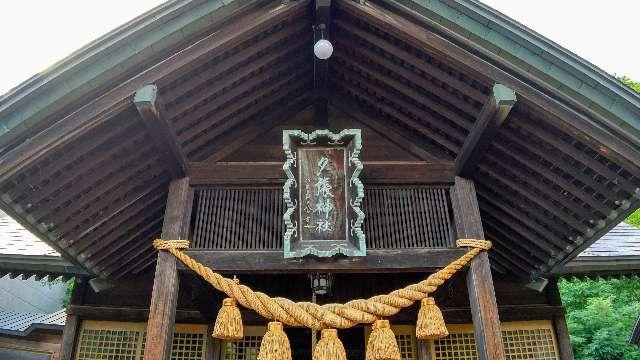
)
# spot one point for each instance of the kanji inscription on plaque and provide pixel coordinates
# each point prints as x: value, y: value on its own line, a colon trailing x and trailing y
x: 323, y: 193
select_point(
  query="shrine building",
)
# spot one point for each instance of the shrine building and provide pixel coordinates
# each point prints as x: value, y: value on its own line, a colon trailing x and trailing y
x: 413, y: 174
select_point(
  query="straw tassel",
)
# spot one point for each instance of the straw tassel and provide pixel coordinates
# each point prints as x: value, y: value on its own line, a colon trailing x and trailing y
x: 382, y: 343
x: 430, y: 324
x: 275, y: 344
x: 329, y: 347
x: 228, y: 324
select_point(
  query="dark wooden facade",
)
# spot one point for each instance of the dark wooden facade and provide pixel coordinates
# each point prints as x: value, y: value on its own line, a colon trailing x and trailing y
x: 186, y: 142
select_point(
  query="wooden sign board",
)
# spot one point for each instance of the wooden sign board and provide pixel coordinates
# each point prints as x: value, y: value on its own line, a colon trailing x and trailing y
x: 323, y: 193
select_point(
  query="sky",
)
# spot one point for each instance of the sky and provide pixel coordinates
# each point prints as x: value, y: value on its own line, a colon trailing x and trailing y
x: 37, y: 34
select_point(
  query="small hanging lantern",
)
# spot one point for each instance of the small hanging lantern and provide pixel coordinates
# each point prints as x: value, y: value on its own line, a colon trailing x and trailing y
x: 321, y: 283
x: 323, y: 47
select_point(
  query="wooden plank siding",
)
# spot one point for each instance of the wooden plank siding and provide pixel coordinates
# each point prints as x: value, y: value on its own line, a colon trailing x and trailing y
x: 251, y: 219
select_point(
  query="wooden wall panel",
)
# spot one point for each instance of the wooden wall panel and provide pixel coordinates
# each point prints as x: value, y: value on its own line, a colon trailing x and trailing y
x: 249, y: 218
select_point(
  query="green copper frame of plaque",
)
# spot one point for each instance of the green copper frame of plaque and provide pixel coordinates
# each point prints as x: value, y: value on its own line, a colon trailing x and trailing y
x: 354, y: 243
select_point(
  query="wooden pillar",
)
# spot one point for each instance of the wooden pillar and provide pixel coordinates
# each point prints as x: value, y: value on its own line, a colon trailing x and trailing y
x: 425, y: 349
x: 164, y: 296
x: 560, y: 323
x: 213, y: 346
x: 72, y: 323
x: 482, y: 298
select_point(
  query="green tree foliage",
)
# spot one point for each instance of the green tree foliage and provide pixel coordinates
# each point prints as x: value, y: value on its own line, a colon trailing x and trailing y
x: 600, y: 317
x: 635, y: 85
x: 67, y: 294
x: 634, y: 219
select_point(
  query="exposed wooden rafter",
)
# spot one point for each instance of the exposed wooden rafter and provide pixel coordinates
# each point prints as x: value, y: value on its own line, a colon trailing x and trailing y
x: 405, y: 141
x: 417, y: 30
x: 117, y: 100
x: 493, y: 114
x: 260, y: 125
x: 152, y: 111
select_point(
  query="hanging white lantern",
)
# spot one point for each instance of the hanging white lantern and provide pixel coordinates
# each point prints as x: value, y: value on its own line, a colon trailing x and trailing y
x: 323, y: 49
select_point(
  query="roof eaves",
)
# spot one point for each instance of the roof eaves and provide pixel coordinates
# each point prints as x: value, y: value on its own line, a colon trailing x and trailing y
x: 39, y: 264
x: 475, y: 21
x: 598, y: 264
x: 31, y: 328
x: 13, y: 324
x: 100, y: 61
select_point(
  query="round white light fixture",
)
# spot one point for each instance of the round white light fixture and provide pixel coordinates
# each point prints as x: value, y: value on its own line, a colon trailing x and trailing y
x: 323, y: 49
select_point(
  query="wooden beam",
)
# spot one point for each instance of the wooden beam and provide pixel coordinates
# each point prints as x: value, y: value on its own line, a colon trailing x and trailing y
x: 111, y: 313
x: 507, y: 313
x: 415, y: 172
x: 164, y: 295
x: 493, y: 114
x: 72, y: 322
x: 262, y: 261
x: 482, y: 298
x: 152, y: 111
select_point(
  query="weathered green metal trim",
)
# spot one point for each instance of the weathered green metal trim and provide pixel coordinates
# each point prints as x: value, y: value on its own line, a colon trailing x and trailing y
x: 570, y: 74
x: 101, y: 61
x: 504, y: 95
x: 355, y: 227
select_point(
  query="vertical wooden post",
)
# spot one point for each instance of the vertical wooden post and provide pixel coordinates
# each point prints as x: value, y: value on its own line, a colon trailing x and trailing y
x: 560, y: 323
x: 162, y: 312
x: 213, y: 346
x: 72, y: 322
x: 482, y: 298
x: 425, y: 350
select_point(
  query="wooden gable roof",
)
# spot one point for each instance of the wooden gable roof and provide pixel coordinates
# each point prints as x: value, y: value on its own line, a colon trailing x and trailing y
x: 85, y: 167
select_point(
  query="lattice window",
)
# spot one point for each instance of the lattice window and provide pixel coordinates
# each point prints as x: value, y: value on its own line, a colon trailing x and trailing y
x: 188, y: 346
x: 522, y: 341
x: 245, y: 349
x: 108, y: 343
x: 458, y: 345
x: 534, y: 343
x: 406, y: 343
x: 126, y: 341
